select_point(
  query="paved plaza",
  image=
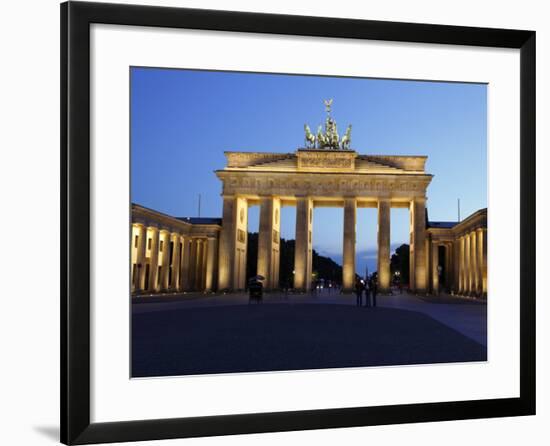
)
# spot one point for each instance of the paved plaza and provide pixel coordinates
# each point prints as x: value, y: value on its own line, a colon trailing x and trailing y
x: 217, y: 333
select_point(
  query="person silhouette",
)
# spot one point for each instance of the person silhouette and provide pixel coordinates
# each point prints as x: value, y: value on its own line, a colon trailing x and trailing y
x: 367, y: 293
x: 374, y: 289
x: 359, y: 292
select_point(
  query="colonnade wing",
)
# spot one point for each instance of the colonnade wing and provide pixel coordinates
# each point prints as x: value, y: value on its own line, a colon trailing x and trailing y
x: 172, y: 255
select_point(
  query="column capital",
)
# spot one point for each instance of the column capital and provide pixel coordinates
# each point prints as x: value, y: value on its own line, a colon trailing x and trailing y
x: 348, y: 200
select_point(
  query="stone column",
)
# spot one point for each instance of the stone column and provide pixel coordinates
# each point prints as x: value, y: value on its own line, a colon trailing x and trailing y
x: 153, y: 262
x: 458, y: 269
x: 384, y: 209
x: 462, y: 241
x: 412, y: 285
x: 474, y: 260
x: 212, y: 258
x: 479, y: 261
x: 418, y: 244
x: 467, y: 264
x: 204, y: 263
x: 269, y: 241
x: 348, y: 261
x: 228, y: 234
x: 241, y: 242
x: 276, y: 256
x: 134, y: 239
x: 142, y: 247
x: 193, y: 264
x: 165, y: 258
x: 175, y: 262
x: 475, y: 264
x: 435, y: 263
x: 181, y: 278
x: 200, y: 262
x: 303, y: 247
x: 185, y: 259
x: 483, y: 242
x: 141, y: 233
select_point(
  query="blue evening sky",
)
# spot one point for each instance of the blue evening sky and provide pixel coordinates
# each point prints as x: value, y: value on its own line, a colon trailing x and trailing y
x: 183, y: 120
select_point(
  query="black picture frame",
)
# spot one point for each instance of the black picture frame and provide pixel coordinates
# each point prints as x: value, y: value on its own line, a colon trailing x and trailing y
x: 76, y: 18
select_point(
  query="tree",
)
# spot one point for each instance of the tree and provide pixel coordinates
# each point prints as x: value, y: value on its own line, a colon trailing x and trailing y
x: 400, y: 262
x: 326, y: 268
x: 286, y: 263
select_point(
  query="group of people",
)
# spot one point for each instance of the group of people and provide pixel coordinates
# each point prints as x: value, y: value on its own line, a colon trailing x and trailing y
x: 370, y: 288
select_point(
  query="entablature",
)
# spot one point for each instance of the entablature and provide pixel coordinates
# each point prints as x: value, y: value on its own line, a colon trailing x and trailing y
x: 162, y: 222
x: 324, y: 185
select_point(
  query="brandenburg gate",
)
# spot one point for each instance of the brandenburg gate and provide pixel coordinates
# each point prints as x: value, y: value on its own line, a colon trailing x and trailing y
x: 325, y: 173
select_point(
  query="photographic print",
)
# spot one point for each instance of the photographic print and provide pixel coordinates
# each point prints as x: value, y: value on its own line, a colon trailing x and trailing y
x: 292, y: 202
x: 293, y: 222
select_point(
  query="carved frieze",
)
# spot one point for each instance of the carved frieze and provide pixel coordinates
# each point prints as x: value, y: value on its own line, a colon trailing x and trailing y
x: 329, y: 185
x: 326, y: 159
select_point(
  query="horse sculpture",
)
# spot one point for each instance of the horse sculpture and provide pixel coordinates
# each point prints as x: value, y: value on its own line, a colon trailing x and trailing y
x: 310, y: 137
x: 321, y: 140
x: 346, y: 139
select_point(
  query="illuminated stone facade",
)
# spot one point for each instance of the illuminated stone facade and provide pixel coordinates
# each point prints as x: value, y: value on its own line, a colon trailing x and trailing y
x: 192, y: 254
x: 310, y: 178
x: 457, y: 256
x: 171, y: 254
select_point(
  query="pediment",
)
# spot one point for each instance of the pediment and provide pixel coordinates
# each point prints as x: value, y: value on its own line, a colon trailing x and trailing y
x: 307, y: 160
